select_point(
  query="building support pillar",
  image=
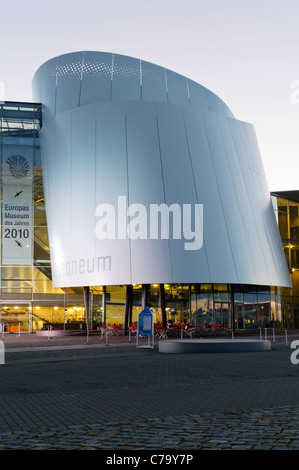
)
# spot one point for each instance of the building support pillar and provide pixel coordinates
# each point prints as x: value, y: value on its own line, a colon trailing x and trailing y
x: 233, y: 306
x: 190, y: 305
x: 162, y: 304
x: 86, y: 296
x: 91, y: 308
x: 145, y: 296
x: 128, y: 308
x: 104, y: 307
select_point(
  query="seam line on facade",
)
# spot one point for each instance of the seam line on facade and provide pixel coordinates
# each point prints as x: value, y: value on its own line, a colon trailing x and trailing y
x: 196, y: 192
x: 221, y: 203
x: 128, y: 191
x: 164, y: 194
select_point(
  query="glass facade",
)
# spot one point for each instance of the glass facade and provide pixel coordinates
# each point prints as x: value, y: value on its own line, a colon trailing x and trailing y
x: 196, y: 305
x: 27, y: 298
x: 286, y: 208
x: 28, y: 301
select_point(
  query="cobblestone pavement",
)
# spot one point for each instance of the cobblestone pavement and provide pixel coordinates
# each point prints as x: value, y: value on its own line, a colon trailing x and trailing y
x: 66, y: 394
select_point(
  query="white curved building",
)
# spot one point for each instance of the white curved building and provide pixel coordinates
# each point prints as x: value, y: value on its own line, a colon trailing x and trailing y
x: 149, y: 178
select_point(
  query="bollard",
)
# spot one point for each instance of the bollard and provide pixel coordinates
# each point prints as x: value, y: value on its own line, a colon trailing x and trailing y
x: 106, y: 339
x: 261, y: 334
x: 182, y: 333
x: 265, y: 333
x: 286, y: 336
x: 19, y: 329
x: 273, y: 335
x: 233, y: 337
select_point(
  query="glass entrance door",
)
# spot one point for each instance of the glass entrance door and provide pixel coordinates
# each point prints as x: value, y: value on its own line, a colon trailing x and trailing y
x: 239, y: 316
x: 287, y: 315
x: 221, y: 313
x: 16, y: 317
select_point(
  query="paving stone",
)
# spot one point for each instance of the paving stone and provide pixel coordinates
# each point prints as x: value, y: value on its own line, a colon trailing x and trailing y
x: 76, y: 396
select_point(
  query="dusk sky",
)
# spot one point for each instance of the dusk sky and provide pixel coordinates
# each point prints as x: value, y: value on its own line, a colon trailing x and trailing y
x: 247, y: 52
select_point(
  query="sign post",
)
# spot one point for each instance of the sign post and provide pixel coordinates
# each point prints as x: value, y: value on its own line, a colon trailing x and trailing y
x: 145, y: 327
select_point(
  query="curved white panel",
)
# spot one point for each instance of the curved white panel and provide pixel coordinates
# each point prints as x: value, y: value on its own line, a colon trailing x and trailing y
x: 218, y: 248
x: 96, y: 78
x: 146, y: 187
x: 111, y: 181
x: 126, y: 81
x: 150, y: 179
x: 153, y: 83
x: 180, y: 189
x: 177, y: 88
x: 68, y: 76
x: 45, y: 82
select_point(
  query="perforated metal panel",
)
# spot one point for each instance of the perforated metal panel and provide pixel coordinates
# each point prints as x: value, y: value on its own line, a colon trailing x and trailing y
x: 153, y: 83
x: 68, y: 78
x: 126, y: 80
x: 87, y: 77
x: 177, y: 89
x: 96, y: 78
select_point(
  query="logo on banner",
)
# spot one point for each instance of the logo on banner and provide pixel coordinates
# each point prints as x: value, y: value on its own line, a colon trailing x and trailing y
x: 18, y: 166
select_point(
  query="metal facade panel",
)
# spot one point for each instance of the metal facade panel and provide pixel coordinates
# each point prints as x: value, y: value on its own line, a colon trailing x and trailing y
x: 214, y: 103
x: 254, y: 159
x: 231, y: 209
x: 262, y: 211
x: 96, y: 78
x: 242, y: 183
x: 153, y: 83
x: 216, y: 238
x: 139, y: 149
x: 177, y: 88
x: 111, y: 182
x: 60, y: 193
x: 83, y: 183
x: 68, y: 73
x: 47, y: 86
x: 206, y: 100
x: 198, y: 95
x: 179, y: 190
x: 126, y: 81
x: 146, y: 187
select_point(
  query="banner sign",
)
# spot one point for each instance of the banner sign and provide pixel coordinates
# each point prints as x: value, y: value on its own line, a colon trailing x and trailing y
x: 17, y: 206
